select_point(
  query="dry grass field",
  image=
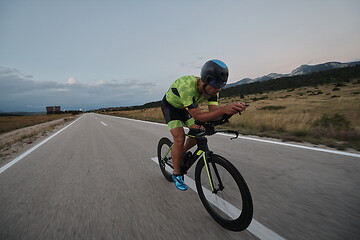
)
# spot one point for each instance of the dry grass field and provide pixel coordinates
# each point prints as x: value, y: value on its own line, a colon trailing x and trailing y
x: 18, y: 133
x: 9, y: 123
x: 328, y: 114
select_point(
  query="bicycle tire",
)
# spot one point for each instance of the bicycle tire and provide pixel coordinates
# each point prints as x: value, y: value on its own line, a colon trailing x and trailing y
x: 163, y: 147
x: 221, y: 211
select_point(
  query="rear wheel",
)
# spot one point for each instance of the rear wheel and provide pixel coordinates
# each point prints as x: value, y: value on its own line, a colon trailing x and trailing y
x: 229, y: 201
x: 164, y: 157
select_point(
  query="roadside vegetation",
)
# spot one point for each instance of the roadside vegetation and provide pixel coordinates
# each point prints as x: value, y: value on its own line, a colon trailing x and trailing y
x: 10, y: 123
x: 325, y: 111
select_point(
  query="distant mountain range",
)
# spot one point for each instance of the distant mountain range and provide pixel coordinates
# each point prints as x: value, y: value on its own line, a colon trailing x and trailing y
x: 302, y: 70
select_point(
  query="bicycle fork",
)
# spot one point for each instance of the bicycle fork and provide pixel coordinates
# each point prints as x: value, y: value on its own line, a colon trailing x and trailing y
x: 205, y: 156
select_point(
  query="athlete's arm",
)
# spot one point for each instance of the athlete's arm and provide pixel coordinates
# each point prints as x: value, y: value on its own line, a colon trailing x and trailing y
x: 213, y: 107
x: 230, y: 109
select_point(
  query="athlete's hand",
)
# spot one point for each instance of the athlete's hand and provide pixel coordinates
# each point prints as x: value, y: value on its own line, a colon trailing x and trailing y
x: 235, y: 107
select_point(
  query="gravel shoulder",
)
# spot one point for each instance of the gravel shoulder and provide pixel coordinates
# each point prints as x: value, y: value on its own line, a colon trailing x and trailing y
x: 14, y: 143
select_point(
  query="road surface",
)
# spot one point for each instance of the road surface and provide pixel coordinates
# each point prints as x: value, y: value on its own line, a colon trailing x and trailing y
x: 95, y: 180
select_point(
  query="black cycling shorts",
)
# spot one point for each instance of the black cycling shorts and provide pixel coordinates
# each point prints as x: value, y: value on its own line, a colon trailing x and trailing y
x: 175, y: 117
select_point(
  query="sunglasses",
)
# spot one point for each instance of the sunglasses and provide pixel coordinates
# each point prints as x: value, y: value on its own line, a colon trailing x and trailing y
x: 216, y: 84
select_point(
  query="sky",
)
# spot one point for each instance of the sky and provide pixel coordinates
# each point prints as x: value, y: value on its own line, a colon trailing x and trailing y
x: 87, y: 54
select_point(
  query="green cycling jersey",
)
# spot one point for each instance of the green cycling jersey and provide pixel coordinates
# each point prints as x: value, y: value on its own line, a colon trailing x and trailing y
x: 183, y: 93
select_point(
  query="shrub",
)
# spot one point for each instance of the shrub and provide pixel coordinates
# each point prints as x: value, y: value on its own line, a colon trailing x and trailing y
x: 339, y: 84
x: 315, y: 92
x: 336, y: 122
x: 271, y: 107
x: 286, y: 96
x: 260, y: 98
x: 300, y: 133
x: 336, y: 127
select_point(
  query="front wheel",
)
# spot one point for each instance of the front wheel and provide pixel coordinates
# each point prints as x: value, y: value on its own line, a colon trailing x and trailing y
x: 227, y: 199
x: 164, y: 157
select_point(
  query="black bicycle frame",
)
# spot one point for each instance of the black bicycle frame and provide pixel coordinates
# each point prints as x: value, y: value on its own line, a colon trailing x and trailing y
x: 203, y: 151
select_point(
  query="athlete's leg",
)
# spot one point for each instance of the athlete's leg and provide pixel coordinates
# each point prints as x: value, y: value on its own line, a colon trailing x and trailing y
x: 177, y: 150
x: 191, y: 142
x: 174, y: 118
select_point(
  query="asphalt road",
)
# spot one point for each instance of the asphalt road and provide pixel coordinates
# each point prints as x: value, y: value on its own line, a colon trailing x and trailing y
x: 96, y: 180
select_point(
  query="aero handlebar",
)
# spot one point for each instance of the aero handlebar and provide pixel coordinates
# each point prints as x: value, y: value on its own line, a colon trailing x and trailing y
x: 210, y: 127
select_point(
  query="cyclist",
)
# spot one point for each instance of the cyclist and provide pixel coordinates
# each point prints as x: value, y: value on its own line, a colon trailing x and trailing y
x: 180, y: 106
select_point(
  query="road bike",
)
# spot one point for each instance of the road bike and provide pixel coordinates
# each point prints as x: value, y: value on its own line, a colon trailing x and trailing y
x: 220, y: 186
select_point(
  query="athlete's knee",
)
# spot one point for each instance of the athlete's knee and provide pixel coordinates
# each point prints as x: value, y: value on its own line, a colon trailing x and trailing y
x: 178, y: 136
x: 195, y: 126
x: 179, y: 139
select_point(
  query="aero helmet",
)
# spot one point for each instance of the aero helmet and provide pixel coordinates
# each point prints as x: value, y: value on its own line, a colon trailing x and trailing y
x: 215, y: 73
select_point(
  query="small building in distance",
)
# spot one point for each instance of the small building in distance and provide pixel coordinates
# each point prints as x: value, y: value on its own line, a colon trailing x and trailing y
x: 53, y: 109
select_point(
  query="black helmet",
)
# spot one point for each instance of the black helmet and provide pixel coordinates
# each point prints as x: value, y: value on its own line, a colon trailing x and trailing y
x: 215, y: 73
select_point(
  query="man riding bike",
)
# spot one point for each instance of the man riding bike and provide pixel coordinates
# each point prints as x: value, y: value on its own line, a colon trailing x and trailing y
x: 180, y: 106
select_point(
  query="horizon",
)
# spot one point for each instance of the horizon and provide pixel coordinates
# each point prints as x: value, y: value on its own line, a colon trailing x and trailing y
x: 151, y: 101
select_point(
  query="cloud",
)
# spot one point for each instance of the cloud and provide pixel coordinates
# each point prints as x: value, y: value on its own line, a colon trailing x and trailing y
x: 22, y: 93
x: 193, y: 64
x: 71, y: 81
x: 8, y: 71
x: 188, y: 64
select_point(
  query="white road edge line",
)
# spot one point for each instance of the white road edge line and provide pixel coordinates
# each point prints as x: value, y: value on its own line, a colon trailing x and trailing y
x: 104, y: 123
x: 256, y: 228
x: 264, y: 141
x: 297, y: 146
x: 6, y: 166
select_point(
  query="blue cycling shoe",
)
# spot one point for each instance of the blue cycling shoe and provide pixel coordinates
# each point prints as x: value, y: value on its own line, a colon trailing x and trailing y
x: 179, y: 182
